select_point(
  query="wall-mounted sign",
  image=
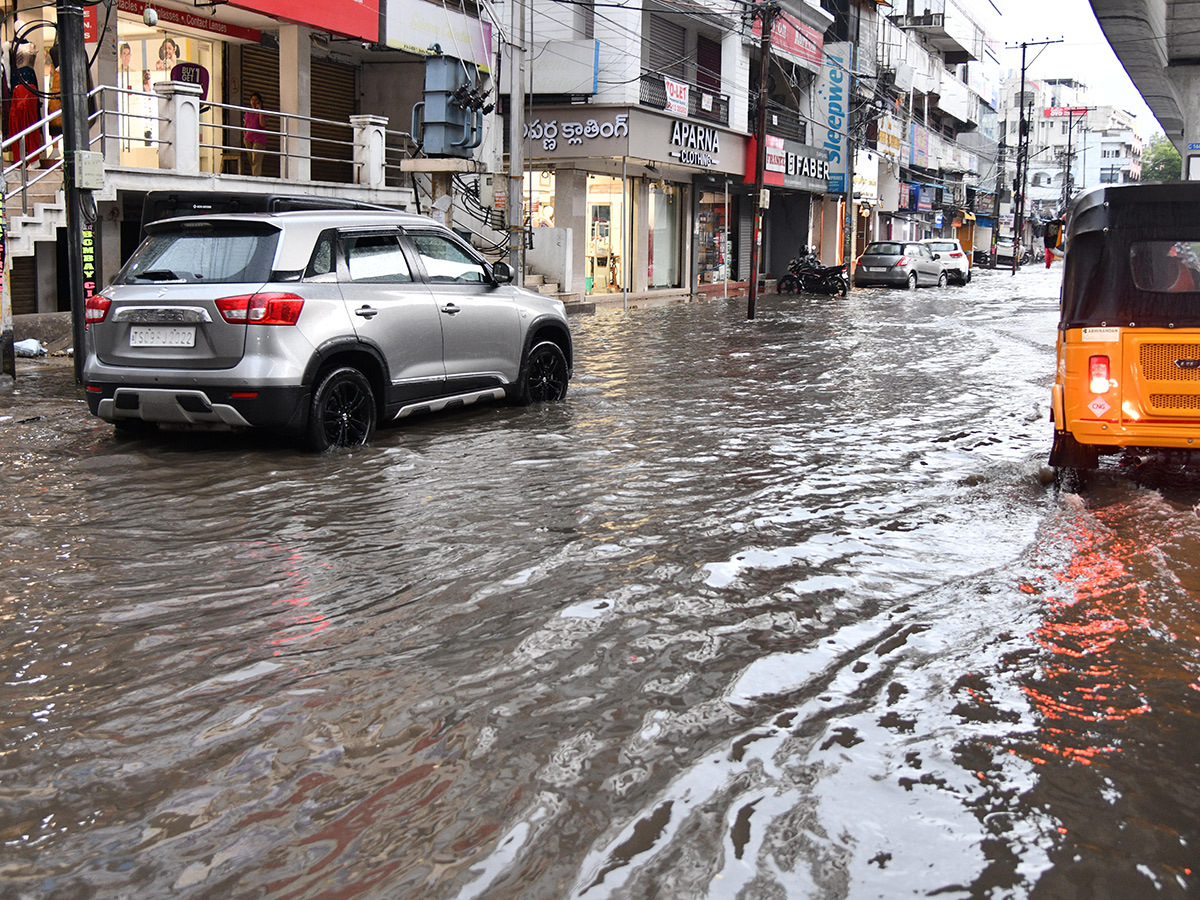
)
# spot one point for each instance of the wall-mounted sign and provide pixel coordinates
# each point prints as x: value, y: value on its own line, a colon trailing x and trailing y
x: 832, y: 106
x: 792, y: 38
x: 427, y: 30
x: 789, y: 164
x: 91, y: 30
x: 1058, y: 112
x: 695, y: 145
x: 577, y: 132
x: 353, y: 18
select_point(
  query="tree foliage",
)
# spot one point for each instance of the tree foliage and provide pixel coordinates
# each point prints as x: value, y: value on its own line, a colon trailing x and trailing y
x: 1160, y: 160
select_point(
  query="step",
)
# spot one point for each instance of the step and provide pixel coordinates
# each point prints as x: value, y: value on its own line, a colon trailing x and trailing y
x: 532, y: 278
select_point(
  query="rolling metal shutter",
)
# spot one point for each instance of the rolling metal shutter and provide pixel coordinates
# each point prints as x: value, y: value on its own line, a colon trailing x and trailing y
x: 668, y: 48
x: 708, y: 64
x: 333, y: 96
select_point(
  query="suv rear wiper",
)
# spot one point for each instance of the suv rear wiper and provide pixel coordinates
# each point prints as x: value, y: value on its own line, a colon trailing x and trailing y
x: 159, y: 275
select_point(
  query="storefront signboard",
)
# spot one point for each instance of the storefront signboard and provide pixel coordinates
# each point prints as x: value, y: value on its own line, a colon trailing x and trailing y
x: 833, y: 83
x: 866, y: 175
x: 919, y: 155
x: 888, y: 136
x: 631, y: 133
x: 793, y: 39
x: 353, y: 18
x: 167, y: 16
x: 419, y: 27
x: 563, y: 67
x: 789, y: 164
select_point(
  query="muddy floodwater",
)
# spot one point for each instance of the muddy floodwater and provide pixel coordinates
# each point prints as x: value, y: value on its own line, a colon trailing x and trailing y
x: 769, y: 609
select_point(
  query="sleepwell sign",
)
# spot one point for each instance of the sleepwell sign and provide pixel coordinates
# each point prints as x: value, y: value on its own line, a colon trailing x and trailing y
x: 833, y: 105
x: 575, y: 132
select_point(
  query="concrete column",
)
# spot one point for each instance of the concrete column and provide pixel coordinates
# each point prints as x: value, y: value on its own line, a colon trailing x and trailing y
x: 1186, y: 83
x: 108, y: 235
x: 369, y: 147
x: 295, y: 92
x: 179, y: 107
x: 51, y: 296
x: 638, y: 243
x: 570, y: 211
x: 106, y: 73
x: 441, y: 192
x: 735, y: 75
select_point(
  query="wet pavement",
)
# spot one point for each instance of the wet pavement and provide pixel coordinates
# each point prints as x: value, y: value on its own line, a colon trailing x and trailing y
x: 781, y: 608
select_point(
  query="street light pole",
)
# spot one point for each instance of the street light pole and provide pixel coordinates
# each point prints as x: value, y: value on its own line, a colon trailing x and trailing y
x: 765, y: 10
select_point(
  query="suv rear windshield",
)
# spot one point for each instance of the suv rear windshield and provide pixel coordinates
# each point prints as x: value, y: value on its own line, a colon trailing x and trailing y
x: 199, y: 253
x: 942, y: 245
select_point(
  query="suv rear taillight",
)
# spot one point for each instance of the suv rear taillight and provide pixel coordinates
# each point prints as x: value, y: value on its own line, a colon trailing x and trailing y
x: 96, y: 309
x: 261, y: 309
x: 1098, y: 374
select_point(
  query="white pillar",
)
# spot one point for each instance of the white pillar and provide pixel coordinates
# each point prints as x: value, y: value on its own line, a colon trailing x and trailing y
x: 179, y: 132
x: 295, y: 93
x: 369, y: 150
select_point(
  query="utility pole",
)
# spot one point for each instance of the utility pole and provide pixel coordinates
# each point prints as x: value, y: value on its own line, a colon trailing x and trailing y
x: 1022, y: 158
x: 80, y: 209
x: 764, y: 10
x: 1000, y: 154
x: 516, y: 143
x: 850, y: 231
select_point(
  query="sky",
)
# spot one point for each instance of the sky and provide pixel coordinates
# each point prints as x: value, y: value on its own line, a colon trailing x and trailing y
x: 1084, y: 54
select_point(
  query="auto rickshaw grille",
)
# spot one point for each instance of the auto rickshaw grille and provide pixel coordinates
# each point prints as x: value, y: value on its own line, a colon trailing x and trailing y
x: 1158, y: 362
x: 1184, y: 402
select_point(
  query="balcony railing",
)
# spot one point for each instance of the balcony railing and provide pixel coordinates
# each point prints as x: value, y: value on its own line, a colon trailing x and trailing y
x: 702, y: 103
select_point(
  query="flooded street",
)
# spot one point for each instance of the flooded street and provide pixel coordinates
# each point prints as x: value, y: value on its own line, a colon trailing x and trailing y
x: 769, y: 609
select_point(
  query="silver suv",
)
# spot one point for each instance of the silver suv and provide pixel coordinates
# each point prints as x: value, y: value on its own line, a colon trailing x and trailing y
x: 322, y: 323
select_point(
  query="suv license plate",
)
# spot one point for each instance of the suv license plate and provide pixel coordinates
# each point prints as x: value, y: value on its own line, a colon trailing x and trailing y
x: 162, y: 336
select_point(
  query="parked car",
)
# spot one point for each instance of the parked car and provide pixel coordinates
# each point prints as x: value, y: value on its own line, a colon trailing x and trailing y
x: 1004, y: 251
x: 320, y: 323
x: 906, y: 264
x: 955, y: 258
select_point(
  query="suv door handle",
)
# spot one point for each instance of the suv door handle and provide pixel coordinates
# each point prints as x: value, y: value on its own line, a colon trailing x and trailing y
x: 367, y: 312
x: 451, y: 309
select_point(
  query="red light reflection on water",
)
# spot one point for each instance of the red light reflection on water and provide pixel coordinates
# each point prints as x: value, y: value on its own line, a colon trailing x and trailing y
x: 1084, y: 688
x: 302, y: 624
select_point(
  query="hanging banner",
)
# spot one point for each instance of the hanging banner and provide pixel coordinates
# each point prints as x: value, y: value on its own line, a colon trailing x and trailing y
x: 677, y: 96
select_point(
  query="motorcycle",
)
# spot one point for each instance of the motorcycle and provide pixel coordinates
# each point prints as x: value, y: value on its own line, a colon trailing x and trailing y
x: 805, y: 273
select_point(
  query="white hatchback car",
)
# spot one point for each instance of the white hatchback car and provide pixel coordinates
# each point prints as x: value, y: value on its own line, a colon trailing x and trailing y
x: 955, y: 258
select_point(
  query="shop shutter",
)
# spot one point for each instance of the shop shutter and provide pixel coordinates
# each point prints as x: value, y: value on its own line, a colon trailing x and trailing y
x: 668, y: 43
x: 22, y: 286
x: 333, y: 96
x: 708, y: 64
x: 745, y: 235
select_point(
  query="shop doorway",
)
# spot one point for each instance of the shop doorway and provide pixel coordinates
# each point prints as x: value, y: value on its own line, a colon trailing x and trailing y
x: 606, y: 216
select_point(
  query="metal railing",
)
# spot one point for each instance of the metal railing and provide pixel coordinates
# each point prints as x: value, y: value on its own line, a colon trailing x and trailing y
x: 127, y: 128
x: 702, y: 103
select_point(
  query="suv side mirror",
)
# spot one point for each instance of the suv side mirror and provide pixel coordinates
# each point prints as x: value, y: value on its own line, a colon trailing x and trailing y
x: 937, y: 256
x: 502, y: 272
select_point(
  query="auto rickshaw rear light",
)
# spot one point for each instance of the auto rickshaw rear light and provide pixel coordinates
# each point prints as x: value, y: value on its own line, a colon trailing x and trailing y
x: 95, y: 309
x: 1098, y: 374
x: 261, y: 309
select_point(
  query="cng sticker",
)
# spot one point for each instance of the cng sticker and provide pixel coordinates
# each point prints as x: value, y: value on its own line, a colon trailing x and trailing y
x: 1099, y: 406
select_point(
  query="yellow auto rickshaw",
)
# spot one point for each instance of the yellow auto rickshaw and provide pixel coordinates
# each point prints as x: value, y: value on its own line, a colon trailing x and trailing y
x: 1128, y: 348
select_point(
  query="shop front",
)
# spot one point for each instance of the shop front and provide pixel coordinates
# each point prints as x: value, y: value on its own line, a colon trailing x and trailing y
x: 795, y: 174
x: 640, y: 193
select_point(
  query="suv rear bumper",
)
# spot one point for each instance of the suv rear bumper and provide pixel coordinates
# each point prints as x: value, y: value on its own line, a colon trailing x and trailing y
x: 210, y: 406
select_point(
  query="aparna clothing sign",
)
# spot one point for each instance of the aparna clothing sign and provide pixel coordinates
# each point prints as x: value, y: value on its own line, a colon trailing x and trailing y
x: 585, y: 132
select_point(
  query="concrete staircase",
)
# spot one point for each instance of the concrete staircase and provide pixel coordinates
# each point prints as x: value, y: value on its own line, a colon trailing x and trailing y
x: 539, y: 285
x: 38, y: 214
